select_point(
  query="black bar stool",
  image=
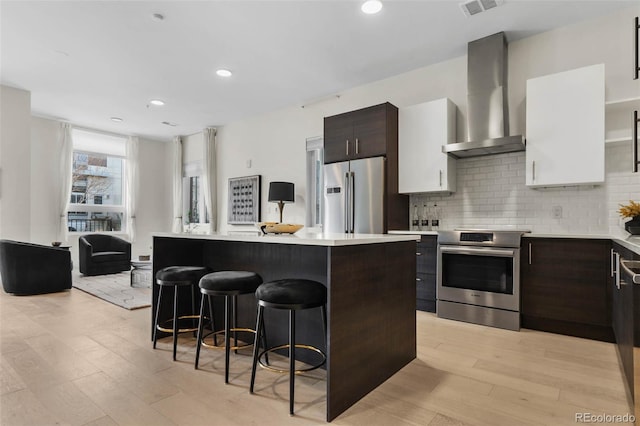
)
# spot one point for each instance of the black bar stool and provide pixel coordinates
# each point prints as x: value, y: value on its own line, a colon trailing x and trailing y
x: 229, y: 284
x: 292, y: 295
x: 177, y: 276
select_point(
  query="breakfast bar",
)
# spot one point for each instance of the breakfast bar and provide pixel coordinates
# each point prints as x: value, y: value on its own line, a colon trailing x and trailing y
x: 371, y: 296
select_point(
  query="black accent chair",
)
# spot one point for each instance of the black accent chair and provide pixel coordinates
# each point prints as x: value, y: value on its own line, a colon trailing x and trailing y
x: 102, y: 254
x: 28, y: 268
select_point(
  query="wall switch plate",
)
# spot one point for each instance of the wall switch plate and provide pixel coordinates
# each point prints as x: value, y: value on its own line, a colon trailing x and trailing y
x: 556, y: 211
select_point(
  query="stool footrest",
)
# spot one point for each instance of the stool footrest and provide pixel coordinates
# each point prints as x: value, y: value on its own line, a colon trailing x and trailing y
x: 234, y: 348
x: 180, y: 330
x: 298, y: 346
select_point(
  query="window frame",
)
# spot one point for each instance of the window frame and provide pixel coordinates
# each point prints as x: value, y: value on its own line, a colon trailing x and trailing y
x: 89, y: 209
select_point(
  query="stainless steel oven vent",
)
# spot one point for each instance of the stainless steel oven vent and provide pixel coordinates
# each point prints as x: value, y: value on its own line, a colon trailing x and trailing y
x: 488, y: 110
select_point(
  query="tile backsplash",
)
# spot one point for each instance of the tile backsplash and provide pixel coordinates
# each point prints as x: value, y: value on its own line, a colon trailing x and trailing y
x: 491, y: 191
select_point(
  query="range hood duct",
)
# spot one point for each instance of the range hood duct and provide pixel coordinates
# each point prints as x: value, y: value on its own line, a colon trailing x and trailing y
x: 488, y: 111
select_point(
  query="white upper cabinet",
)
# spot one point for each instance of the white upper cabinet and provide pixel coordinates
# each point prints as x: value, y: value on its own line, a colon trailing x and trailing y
x: 565, y: 128
x: 422, y: 130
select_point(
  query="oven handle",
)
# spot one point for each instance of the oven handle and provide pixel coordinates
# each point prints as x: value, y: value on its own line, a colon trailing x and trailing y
x: 633, y: 277
x: 479, y: 251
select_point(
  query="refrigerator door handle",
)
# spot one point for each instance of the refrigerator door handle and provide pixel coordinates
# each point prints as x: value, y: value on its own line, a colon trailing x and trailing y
x: 347, y: 200
x: 352, y: 202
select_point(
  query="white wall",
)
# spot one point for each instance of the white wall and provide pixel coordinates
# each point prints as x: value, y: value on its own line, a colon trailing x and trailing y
x: 44, y: 168
x: 274, y: 142
x: 155, y: 203
x: 15, y: 154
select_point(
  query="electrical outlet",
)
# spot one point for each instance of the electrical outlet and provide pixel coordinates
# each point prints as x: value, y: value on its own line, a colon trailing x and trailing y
x: 556, y: 211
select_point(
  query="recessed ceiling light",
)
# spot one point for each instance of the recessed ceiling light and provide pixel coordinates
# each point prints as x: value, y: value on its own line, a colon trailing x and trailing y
x: 224, y: 73
x: 116, y: 119
x: 371, y: 6
x: 156, y: 102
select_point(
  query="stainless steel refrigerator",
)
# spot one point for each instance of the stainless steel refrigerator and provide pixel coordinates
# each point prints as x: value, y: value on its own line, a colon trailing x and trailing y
x: 354, y: 194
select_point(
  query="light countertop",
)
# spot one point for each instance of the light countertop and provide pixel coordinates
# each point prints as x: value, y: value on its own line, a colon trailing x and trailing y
x: 300, y: 238
x: 632, y: 242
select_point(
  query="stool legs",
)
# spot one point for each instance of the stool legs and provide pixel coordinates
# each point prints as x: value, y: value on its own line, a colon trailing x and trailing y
x: 230, y: 323
x: 292, y: 349
x: 155, y: 322
x: 175, y: 322
x: 256, y: 346
x: 200, y: 327
x: 176, y: 319
x: 227, y: 336
x: 292, y: 357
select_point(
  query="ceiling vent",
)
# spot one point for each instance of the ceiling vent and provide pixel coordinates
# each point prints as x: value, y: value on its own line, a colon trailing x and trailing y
x: 474, y: 7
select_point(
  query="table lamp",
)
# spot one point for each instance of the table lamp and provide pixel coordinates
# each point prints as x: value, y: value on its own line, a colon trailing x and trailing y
x: 281, y: 192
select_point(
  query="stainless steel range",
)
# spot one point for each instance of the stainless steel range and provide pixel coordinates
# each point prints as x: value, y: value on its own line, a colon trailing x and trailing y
x: 479, y: 276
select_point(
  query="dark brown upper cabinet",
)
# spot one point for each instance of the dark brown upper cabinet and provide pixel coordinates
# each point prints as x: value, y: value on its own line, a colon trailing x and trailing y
x: 364, y: 133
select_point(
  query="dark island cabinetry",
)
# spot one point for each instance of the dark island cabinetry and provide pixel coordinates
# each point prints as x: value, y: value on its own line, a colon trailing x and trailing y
x: 565, y: 286
x: 426, y: 261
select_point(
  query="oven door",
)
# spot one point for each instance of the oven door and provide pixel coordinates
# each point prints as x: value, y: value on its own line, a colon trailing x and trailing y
x: 483, y: 276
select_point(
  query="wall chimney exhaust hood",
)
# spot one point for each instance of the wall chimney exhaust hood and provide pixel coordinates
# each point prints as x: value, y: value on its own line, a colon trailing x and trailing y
x: 488, y: 111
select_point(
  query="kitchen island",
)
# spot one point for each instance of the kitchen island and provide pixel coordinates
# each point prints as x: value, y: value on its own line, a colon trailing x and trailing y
x: 371, y: 297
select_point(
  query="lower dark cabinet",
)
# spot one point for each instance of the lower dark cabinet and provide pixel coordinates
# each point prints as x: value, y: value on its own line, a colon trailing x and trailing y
x: 426, y: 258
x: 565, y: 287
x: 626, y: 312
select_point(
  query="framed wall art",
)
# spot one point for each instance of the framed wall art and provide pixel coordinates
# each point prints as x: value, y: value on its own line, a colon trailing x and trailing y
x: 244, y: 200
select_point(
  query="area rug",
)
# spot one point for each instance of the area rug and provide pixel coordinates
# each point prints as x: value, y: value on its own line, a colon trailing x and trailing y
x: 114, y: 288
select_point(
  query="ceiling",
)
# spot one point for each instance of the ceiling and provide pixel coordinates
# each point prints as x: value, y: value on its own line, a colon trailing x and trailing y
x: 88, y: 61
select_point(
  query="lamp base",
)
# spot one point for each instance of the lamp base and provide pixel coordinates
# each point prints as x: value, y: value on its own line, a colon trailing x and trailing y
x: 281, y: 207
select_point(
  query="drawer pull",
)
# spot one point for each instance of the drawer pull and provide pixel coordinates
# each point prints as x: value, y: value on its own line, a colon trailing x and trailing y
x: 418, y: 254
x: 418, y: 279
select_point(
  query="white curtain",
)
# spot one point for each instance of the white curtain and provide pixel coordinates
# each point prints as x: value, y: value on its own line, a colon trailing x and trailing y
x: 132, y: 186
x: 66, y: 161
x: 177, y: 184
x: 209, y: 177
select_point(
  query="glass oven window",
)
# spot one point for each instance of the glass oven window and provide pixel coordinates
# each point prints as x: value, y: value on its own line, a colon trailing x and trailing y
x: 481, y: 273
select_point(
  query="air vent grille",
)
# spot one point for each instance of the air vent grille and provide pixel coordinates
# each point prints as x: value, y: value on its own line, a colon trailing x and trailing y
x: 474, y: 7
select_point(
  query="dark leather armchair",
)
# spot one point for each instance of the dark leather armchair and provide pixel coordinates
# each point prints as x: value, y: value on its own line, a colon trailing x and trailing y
x: 28, y: 268
x: 103, y: 254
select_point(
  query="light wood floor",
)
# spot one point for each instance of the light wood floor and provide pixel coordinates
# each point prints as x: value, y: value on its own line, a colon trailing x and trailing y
x: 72, y: 359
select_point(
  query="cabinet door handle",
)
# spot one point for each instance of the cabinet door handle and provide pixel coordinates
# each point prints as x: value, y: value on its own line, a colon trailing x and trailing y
x: 418, y: 279
x: 418, y: 254
x: 530, y: 258
x: 533, y: 171
x: 635, y: 49
x: 357, y: 146
x: 635, y: 141
x: 347, y: 144
x: 617, y: 271
x: 613, y: 270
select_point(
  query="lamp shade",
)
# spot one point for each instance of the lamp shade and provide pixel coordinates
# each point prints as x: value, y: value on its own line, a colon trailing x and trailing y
x: 281, y: 191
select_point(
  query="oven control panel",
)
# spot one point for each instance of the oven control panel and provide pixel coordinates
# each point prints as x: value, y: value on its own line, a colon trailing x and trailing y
x: 481, y: 237
x: 476, y: 237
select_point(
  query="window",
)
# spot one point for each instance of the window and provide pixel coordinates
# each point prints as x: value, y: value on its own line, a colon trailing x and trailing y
x: 315, y: 181
x: 193, y: 208
x: 97, y: 183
